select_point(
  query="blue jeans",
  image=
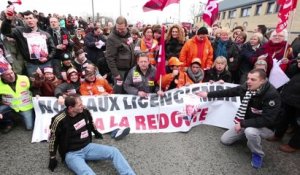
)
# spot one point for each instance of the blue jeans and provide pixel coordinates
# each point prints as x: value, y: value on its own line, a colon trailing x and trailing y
x: 4, y: 109
x: 75, y: 160
x: 5, y: 120
x: 28, y: 118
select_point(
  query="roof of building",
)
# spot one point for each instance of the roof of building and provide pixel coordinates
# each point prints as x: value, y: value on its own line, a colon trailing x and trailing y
x: 232, y: 4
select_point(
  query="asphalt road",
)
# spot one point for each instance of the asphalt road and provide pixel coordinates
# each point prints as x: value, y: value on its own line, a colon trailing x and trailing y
x: 197, y: 152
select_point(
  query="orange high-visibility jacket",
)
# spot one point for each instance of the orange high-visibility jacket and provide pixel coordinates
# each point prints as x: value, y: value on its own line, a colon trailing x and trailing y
x: 183, y: 79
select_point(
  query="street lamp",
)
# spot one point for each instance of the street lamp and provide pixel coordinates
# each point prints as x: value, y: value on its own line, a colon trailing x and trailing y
x: 93, y: 11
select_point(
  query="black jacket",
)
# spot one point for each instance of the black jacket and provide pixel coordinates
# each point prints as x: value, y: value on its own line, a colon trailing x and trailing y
x: 93, y: 53
x: 17, y: 34
x: 212, y: 74
x: 232, y: 51
x: 63, y: 33
x: 246, y: 58
x: 290, y: 93
x: 119, y: 52
x: 59, y: 132
x: 173, y: 48
x: 263, y: 108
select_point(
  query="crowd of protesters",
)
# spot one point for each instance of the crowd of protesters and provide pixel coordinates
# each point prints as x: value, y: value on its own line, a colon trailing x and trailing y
x: 86, y: 58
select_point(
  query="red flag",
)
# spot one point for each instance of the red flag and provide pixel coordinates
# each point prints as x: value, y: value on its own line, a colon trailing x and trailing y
x: 161, y: 61
x: 282, y: 2
x: 158, y: 4
x: 283, y: 15
x: 211, y: 11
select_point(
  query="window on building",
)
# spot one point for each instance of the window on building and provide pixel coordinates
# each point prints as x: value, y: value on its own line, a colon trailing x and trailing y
x: 271, y: 7
x: 258, y: 10
x: 277, y: 8
x: 224, y: 15
x: 231, y: 14
x: 245, y: 12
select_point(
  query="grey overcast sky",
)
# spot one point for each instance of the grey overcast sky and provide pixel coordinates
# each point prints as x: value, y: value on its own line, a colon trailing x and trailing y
x: 132, y: 9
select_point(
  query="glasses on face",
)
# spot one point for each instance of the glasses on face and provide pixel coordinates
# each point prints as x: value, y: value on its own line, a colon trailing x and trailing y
x: 278, y: 36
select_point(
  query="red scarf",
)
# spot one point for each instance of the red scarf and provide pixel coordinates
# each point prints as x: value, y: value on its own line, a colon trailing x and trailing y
x: 148, y: 42
x: 274, y: 50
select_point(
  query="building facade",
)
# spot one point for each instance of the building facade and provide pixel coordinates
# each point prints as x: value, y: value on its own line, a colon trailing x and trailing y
x: 250, y: 13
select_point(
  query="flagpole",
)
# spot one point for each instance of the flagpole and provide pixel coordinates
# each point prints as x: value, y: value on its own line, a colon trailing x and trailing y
x: 159, y: 105
x: 179, y: 12
x: 93, y: 10
x: 120, y: 8
x: 289, y: 31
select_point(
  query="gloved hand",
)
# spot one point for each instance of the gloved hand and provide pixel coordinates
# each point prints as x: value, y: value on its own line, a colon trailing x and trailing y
x: 98, y: 135
x: 52, y: 164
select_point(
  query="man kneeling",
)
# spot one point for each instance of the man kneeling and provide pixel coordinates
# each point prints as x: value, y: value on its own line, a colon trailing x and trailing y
x: 71, y: 132
x: 260, y: 106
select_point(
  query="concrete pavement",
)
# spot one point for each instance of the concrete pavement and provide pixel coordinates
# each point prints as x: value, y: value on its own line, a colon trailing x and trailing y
x: 194, y: 153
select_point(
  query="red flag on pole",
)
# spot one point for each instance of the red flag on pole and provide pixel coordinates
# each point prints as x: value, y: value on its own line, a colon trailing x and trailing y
x: 161, y: 61
x: 211, y: 11
x: 293, y: 2
x: 283, y: 15
x: 157, y: 4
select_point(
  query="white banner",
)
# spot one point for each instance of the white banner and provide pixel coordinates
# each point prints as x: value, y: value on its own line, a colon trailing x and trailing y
x: 151, y: 115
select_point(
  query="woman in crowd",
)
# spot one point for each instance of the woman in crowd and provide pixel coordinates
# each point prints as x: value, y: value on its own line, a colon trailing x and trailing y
x: 174, y: 41
x: 240, y: 39
x: 226, y: 48
x: 194, y: 72
x: 275, y: 49
x: 68, y: 88
x: 247, y: 53
x: 148, y: 44
x: 236, y: 31
x: 45, y: 82
x: 156, y: 32
x: 219, y: 72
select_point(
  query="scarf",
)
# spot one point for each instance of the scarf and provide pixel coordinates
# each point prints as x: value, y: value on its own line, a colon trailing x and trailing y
x: 221, y: 49
x: 196, y: 78
x: 274, y: 50
x: 148, y: 43
x: 240, y: 115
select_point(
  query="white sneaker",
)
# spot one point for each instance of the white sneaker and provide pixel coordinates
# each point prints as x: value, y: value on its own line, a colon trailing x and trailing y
x: 122, y: 133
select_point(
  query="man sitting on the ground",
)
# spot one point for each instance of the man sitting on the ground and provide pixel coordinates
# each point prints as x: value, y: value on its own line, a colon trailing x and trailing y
x: 260, y: 106
x: 71, y: 132
x: 14, y: 91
